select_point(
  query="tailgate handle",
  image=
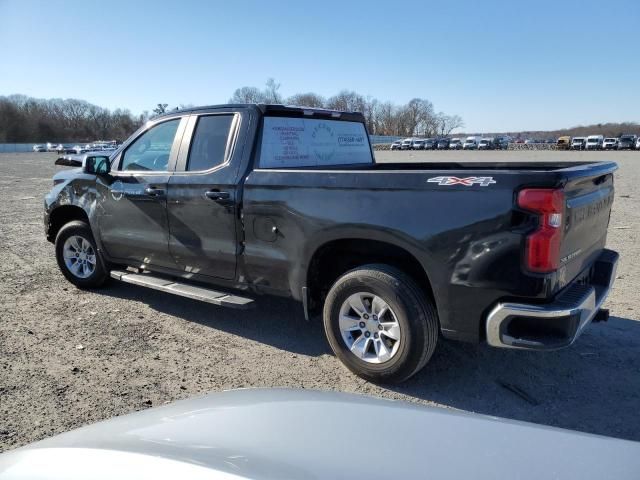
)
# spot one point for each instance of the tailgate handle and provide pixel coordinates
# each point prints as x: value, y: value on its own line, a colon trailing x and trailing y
x: 600, y: 179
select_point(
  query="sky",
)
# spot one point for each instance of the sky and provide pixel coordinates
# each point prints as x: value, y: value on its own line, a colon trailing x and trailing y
x: 502, y: 66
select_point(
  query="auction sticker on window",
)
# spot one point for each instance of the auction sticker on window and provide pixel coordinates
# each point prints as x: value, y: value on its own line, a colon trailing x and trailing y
x: 305, y: 142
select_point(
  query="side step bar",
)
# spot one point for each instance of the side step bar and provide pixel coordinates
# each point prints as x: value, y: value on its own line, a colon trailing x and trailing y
x: 182, y: 289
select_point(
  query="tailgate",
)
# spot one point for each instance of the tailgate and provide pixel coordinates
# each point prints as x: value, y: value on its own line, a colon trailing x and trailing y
x: 588, y: 202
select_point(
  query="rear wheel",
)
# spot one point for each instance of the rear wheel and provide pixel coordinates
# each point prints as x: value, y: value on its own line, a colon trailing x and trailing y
x: 380, y: 324
x: 78, y: 257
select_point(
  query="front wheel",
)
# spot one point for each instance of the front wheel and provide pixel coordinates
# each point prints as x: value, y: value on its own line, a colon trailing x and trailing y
x: 78, y: 257
x: 380, y: 324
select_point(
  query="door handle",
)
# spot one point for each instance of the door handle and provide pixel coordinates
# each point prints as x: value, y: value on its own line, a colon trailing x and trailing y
x: 217, y: 195
x: 154, y: 192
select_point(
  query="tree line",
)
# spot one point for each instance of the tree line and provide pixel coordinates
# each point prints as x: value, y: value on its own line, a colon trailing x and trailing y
x: 417, y: 117
x: 24, y: 119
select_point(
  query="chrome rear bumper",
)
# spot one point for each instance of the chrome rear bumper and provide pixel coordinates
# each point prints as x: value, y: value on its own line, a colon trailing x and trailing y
x: 559, y: 323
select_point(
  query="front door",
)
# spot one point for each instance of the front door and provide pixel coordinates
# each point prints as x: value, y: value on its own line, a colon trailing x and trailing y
x: 132, y: 200
x: 201, y: 198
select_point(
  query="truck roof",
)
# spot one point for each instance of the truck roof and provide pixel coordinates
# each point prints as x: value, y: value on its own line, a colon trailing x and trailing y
x: 272, y: 108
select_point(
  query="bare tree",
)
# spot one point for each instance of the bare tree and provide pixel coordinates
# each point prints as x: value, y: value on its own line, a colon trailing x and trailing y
x: 448, y: 123
x: 161, y: 108
x: 271, y: 92
x: 348, y: 101
x: 308, y: 99
x: 248, y: 95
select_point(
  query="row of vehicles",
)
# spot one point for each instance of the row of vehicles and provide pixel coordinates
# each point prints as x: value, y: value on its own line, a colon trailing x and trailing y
x: 99, y: 146
x: 599, y: 142
x: 469, y: 143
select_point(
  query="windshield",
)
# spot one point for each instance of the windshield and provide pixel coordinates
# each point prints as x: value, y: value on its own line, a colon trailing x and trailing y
x: 307, y: 142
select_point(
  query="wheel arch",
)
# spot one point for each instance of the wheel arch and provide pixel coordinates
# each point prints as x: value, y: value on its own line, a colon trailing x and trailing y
x: 62, y: 215
x: 334, y: 257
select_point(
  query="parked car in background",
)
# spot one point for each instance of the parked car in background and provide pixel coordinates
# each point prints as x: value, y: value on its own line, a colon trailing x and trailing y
x: 396, y: 145
x: 486, y: 143
x: 627, y: 142
x: 502, y: 142
x: 443, y: 144
x: 64, y: 149
x: 638, y: 143
x: 78, y: 149
x: 431, y: 144
x: 407, y: 144
x: 610, y: 143
x: 578, y: 143
x: 39, y: 148
x: 455, y: 144
x: 51, y: 147
x: 594, y: 142
x: 470, y: 143
x: 530, y: 141
x: 564, y: 142
x: 418, y: 144
x: 261, y: 434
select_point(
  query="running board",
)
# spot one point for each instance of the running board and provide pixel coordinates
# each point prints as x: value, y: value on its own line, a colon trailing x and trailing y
x: 182, y: 289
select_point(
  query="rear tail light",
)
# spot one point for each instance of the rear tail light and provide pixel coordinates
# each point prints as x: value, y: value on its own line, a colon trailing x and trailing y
x: 542, y: 252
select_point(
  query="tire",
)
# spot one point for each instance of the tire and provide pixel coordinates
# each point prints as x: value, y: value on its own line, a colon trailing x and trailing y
x: 85, y: 275
x: 414, y: 314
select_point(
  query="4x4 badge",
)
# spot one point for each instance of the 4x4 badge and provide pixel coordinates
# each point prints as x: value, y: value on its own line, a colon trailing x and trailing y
x: 467, y: 182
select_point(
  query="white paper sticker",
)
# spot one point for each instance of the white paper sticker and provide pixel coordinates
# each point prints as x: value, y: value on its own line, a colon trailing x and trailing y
x: 305, y: 142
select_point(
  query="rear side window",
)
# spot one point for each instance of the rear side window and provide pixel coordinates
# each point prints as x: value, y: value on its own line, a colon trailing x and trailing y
x: 305, y: 142
x: 209, y: 144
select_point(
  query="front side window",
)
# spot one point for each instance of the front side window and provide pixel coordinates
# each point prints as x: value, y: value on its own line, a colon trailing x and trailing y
x: 209, y: 144
x: 306, y: 142
x: 150, y: 151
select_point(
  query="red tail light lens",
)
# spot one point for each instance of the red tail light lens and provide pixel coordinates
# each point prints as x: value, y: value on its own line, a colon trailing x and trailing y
x: 542, y: 253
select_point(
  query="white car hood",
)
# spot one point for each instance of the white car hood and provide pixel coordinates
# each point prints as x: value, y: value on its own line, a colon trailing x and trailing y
x: 282, y: 434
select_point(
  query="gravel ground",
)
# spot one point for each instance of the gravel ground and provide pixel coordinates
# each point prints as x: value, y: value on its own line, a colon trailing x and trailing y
x: 68, y: 357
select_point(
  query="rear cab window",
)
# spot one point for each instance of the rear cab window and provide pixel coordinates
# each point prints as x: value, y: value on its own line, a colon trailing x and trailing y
x: 295, y: 142
x: 210, y: 144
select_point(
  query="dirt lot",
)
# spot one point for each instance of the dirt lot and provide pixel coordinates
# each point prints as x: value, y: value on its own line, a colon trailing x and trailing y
x: 69, y: 357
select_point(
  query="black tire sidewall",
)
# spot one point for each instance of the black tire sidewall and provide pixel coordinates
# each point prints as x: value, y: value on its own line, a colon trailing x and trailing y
x: 401, y: 298
x: 81, y: 229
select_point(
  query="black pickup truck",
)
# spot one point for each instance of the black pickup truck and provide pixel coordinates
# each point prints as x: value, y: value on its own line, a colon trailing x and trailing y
x: 223, y: 203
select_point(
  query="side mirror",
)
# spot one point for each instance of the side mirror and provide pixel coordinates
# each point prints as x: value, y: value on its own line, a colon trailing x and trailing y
x: 96, y: 165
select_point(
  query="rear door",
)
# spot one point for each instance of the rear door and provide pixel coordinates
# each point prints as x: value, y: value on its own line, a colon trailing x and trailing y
x: 202, y: 197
